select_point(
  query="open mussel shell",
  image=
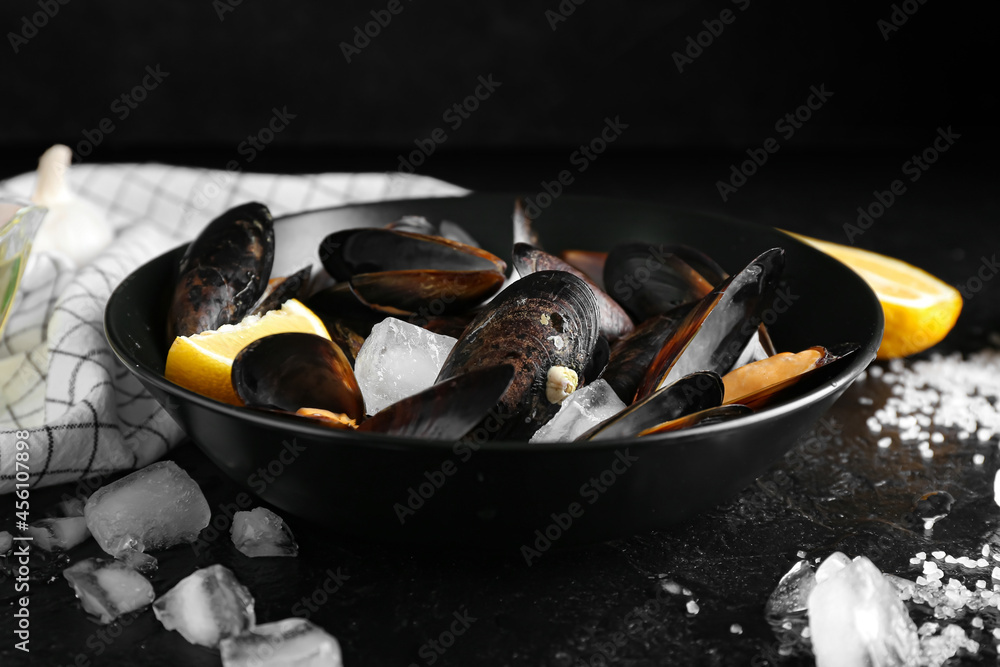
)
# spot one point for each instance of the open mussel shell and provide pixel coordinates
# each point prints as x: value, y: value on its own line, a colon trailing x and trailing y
x: 613, y: 321
x: 714, y: 415
x: 447, y: 410
x: 223, y: 272
x: 648, y: 279
x: 693, y: 393
x: 826, y: 366
x: 407, y: 271
x: 288, y: 371
x: 280, y: 290
x: 418, y: 224
x: 719, y: 327
x: 524, y: 227
x: 631, y: 356
x: 544, y: 320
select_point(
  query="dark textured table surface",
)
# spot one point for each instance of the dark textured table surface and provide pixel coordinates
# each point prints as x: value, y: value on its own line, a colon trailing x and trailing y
x: 611, y: 603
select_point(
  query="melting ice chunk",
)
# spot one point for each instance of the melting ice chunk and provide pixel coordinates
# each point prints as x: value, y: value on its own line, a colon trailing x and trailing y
x: 261, y: 532
x: 792, y: 592
x: 857, y: 618
x: 206, y: 607
x: 398, y: 360
x: 139, y: 560
x: 153, y: 508
x: 579, y: 412
x: 59, y: 534
x: 108, y: 588
x: 293, y: 642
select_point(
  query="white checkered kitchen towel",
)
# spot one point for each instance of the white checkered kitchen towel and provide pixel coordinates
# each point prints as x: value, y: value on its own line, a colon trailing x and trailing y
x: 83, y: 412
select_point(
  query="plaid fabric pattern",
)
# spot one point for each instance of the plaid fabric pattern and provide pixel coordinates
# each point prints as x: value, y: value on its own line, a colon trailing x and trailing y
x: 84, y: 413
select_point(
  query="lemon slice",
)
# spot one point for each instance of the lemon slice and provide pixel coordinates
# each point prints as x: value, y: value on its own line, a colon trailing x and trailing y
x: 203, y: 362
x: 919, y: 309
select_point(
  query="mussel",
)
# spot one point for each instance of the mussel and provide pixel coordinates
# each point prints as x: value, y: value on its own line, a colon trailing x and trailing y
x: 631, y: 356
x: 692, y: 393
x: 289, y: 371
x: 280, y: 290
x: 763, y: 382
x: 223, y: 272
x: 403, y: 271
x: 719, y: 327
x: 545, y: 326
x: 612, y: 320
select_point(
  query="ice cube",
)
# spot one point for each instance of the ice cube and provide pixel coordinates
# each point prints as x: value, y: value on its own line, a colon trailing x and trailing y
x: 72, y: 506
x: 6, y: 542
x: 579, y: 412
x: 792, y: 592
x: 138, y: 560
x: 261, y: 532
x: 59, y: 534
x: 206, y: 606
x: 108, y: 588
x: 398, y: 359
x: 293, y: 642
x: 857, y: 618
x: 153, y: 508
x: 830, y: 566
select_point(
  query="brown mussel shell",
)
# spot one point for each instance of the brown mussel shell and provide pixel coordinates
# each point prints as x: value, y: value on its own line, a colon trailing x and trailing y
x: 719, y: 327
x: 223, y: 272
x: 543, y: 320
x: 288, y: 371
x: 418, y: 224
x: 649, y: 279
x: 632, y: 355
x: 447, y: 410
x: 406, y: 271
x: 714, y: 415
x: 826, y: 368
x: 612, y: 320
x: 280, y: 290
x: 692, y: 393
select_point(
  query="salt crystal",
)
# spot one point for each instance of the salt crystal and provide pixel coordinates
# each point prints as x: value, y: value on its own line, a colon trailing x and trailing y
x: 938, y: 554
x: 686, y: 591
x: 156, y: 507
x: 996, y: 633
x: 977, y: 622
x: 937, y: 438
x: 884, y: 442
x: 864, y: 400
x: 671, y: 587
x: 206, y: 607
x: 736, y: 629
x: 980, y: 583
x: 985, y: 550
x: 397, y: 360
x: 581, y: 411
x: 921, y: 555
x: 996, y: 488
x: 261, y: 532
x: 950, y: 559
x: 982, y: 562
x: 108, y: 589
x: 800, y: 554
x: 983, y: 435
x: 873, y: 425
x: 292, y: 642
x: 846, y: 607
x: 915, y: 561
x: 692, y: 607
x: 996, y: 573
x: 875, y: 371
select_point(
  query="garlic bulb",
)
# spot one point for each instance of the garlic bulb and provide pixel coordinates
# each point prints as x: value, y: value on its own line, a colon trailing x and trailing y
x: 73, y: 227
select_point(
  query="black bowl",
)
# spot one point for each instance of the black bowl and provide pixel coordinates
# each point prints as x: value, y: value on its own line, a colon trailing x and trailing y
x: 510, y: 493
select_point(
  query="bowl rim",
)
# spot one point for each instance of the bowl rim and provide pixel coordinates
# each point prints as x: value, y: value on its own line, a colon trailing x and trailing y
x: 300, y: 426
